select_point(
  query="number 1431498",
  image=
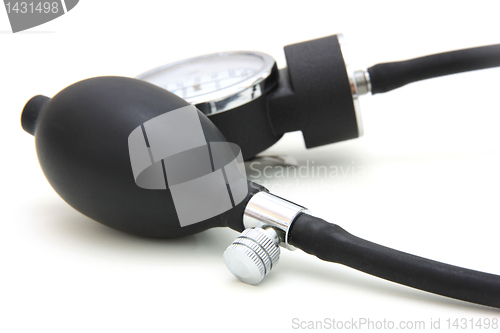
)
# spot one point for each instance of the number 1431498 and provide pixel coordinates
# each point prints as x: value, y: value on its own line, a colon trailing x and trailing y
x: 31, y: 7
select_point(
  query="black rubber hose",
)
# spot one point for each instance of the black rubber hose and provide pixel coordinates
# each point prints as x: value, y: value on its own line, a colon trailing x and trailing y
x: 330, y: 242
x: 389, y: 76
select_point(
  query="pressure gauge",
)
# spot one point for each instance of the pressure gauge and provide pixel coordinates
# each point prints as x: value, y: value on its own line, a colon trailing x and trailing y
x: 253, y: 103
x: 217, y: 82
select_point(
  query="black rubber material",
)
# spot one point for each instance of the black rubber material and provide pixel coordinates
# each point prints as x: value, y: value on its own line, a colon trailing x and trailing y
x: 389, y: 76
x: 248, y: 125
x: 31, y: 111
x: 314, y: 95
x: 330, y: 242
x: 82, y: 146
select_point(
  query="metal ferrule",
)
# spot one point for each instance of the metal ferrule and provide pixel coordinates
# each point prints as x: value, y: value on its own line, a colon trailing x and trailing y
x: 268, y: 210
x: 362, y: 82
x: 359, y: 81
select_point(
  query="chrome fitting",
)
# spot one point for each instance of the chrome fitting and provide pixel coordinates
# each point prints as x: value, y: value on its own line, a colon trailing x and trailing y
x: 362, y: 82
x: 253, y: 254
x: 359, y: 81
x: 267, y: 210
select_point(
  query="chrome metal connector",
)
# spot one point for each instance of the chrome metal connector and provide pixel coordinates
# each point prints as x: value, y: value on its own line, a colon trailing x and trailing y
x: 362, y: 82
x: 253, y: 254
x: 357, y: 85
x: 268, y: 210
x: 267, y: 221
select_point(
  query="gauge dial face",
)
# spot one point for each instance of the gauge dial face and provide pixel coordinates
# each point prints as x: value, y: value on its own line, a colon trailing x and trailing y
x: 212, y: 77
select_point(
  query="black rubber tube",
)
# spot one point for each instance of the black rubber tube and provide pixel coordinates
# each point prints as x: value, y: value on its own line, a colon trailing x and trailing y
x: 389, y: 76
x: 330, y: 242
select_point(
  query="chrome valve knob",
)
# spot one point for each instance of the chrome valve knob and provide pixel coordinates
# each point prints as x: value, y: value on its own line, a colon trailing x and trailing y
x: 253, y: 254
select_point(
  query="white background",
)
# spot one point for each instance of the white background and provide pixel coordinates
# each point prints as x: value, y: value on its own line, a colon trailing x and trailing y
x: 432, y: 149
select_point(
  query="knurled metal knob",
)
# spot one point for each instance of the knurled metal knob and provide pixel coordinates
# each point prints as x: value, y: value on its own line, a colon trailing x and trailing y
x: 253, y: 254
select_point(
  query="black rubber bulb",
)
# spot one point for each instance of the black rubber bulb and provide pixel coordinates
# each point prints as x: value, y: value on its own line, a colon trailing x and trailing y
x: 81, y: 137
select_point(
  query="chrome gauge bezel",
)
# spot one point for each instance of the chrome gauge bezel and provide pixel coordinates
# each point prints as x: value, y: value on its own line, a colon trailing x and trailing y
x: 235, y: 95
